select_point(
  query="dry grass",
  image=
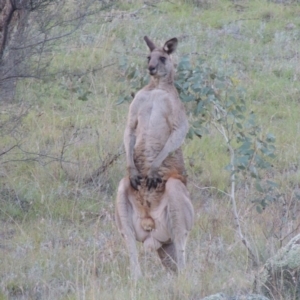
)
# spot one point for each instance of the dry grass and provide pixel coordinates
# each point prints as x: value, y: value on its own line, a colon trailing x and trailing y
x: 57, y: 235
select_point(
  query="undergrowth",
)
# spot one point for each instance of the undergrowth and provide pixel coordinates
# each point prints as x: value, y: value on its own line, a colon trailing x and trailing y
x: 58, y: 182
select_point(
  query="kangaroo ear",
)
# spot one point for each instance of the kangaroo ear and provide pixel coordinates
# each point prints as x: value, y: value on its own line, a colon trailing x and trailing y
x: 170, y: 45
x: 149, y: 43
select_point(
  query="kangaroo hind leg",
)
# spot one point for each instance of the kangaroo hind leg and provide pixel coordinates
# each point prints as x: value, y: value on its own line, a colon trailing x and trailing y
x: 167, y: 255
x: 180, y: 217
x: 124, y: 220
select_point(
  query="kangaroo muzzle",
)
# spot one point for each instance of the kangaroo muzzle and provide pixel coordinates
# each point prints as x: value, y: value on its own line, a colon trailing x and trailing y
x: 152, y: 70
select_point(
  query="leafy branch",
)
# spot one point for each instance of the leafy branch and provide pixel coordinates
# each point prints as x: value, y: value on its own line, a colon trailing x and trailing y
x: 217, y: 102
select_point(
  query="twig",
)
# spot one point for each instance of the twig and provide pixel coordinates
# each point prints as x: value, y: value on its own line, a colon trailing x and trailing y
x: 244, y: 240
x: 210, y: 188
x: 40, y: 77
x: 244, y: 19
x: 6, y: 151
x: 93, y: 70
x: 132, y: 13
x: 287, y: 217
x: 53, y: 158
x: 283, y: 238
x: 108, y: 162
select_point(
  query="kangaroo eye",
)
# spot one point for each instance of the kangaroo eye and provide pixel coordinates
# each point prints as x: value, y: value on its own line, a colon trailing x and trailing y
x: 148, y: 58
x: 162, y: 59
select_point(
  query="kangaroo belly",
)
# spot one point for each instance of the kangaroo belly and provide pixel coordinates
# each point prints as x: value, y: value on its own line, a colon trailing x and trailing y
x: 149, y: 203
x: 172, y: 166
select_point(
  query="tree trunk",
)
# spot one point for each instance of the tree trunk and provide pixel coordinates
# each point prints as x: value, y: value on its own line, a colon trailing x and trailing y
x: 7, y: 22
x: 12, y: 22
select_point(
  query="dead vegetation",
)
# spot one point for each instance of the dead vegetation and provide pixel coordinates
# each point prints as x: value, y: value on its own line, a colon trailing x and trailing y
x: 61, y: 161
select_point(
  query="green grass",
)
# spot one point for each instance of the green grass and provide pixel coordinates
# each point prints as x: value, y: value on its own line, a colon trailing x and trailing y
x: 58, y: 239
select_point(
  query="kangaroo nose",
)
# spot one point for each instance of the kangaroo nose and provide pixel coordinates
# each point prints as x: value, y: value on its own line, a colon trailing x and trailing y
x: 152, y: 70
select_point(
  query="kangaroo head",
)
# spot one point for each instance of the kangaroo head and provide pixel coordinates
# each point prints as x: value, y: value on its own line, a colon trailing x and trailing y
x: 159, y: 60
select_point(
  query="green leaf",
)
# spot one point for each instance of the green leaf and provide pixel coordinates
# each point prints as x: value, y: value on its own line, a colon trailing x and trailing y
x: 246, y: 148
x: 205, y: 90
x: 120, y: 100
x: 239, y: 125
x: 186, y: 98
x: 131, y: 74
x: 263, y: 203
x: 228, y: 168
x: 270, y: 198
x: 123, y: 99
x: 184, y: 63
x: 239, y: 116
x: 198, y: 133
x: 199, y: 107
x: 270, y: 138
x: 196, y: 87
x: 197, y: 124
x: 232, y: 99
x: 241, y: 162
x: 83, y: 96
x: 238, y: 108
x: 268, y: 151
x: 272, y: 183
x: 220, y: 85
x: 123, y: 62
x: 259, y: 209
x: 259, y: 187
x: 186, y: 85
x: 190, y: 133
x: 253, y: 172
x: 261, y: 163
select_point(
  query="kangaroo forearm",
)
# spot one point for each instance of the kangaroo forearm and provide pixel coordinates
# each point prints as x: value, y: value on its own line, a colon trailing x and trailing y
x: 162, y: 156
x: 175, y: 140
x: 129, y: 147
x: 171, y: 145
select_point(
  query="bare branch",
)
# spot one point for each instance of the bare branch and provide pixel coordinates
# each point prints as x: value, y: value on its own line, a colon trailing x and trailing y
x: 105, y: 165
x: 36, y: 157
x: 210, y: 188
x: 8, y: 150
x: 30, y: 30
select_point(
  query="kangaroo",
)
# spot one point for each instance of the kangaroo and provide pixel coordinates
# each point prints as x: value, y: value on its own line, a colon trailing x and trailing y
x: 153, y: 205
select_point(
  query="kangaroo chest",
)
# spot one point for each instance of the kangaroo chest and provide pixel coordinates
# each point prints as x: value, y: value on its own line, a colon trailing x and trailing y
x: 155, y: 112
